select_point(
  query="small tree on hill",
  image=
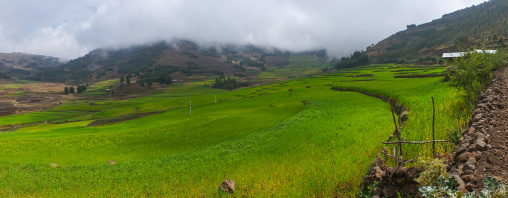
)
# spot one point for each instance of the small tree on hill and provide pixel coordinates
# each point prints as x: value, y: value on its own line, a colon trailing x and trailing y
x: 66, y: 90
x: 71, y: 90
x: 122, y: 79
x: 128, y: 80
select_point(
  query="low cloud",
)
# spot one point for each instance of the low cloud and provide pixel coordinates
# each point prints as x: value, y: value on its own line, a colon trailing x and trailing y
x: 69, y: 29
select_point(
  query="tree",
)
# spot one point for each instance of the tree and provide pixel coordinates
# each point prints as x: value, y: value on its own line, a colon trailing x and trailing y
x: 71, y: 90
x: 81, y: 88
x: 66, y: 90
x: 122, y: 79
x: 128, y: 80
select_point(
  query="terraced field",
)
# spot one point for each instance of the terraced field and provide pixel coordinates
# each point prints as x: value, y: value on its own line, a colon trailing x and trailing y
x: 294, y: 138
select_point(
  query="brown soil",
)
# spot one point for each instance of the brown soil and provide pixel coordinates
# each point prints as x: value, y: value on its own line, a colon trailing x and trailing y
x: 36, y: 97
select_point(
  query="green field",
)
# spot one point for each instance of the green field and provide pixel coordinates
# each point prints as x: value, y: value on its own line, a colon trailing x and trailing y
x: 294, y: 138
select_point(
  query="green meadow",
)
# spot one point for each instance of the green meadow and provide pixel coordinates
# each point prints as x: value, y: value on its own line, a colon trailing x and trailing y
x: 293, y: 138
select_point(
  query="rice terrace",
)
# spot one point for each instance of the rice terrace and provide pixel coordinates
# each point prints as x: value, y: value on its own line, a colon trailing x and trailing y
x: 421, y: 113
x: 266, y: 137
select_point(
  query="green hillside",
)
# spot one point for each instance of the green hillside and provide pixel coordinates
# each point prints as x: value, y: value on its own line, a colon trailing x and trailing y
x: 486, y: 23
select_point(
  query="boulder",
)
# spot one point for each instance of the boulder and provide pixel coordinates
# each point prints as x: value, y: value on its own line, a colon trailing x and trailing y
x: 480, y: 144
x: 111, y: 162
x: 462, y: 157
x: 54, y: 165
x: 228, y: 186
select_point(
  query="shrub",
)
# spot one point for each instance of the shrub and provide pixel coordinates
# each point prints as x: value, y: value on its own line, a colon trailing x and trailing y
x: 432, y: 170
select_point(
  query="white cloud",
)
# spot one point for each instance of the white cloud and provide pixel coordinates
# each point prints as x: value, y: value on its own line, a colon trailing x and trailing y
x: 69, y: 29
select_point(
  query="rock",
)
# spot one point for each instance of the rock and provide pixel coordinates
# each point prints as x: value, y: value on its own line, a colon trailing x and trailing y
x: 462, y: 157
x: 497, y: 90
x: 411, y: 188
x: 468, y: 172
x: 483, y: 106
x: 401, y: 172
x: 472, y: 160
x: 469, y: 166
x: 481, y: 122
x: 469, y: 187
x: 54, y: 165
x: 480, y: 136
x: 467, y: 178
x: 228, y: 186
x: 412, y: 173
x: 111, y: 162
x: 478, y: 117
x: 461, y: 149
x: 389, y: 191
x: 378, y: 172
x: 471, y: 148
x: 480, y: 144
x: 462, y: 185
x: 488, y: 147
x: 400, y: 180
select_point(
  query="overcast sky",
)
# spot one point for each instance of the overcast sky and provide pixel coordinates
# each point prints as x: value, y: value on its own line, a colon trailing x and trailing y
x: 71, y: 28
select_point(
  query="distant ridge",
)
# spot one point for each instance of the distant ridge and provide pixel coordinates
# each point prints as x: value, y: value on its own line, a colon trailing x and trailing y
x: 178, y: 59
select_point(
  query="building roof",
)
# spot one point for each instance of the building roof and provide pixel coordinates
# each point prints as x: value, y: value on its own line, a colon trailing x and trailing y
x: 461, y: 54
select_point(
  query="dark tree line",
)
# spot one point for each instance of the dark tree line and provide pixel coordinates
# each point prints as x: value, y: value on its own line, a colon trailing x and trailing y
x: 79, y: 89
x: 222, y: 82
x: 358, y: 58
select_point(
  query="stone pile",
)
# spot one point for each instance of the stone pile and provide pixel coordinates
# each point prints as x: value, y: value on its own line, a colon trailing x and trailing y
x: 403, y: 180
x: 476, y: 140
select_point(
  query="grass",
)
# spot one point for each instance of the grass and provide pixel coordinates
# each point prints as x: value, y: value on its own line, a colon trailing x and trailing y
x: 263, y: 137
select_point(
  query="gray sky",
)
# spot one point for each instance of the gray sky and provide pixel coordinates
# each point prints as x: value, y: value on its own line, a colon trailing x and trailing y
x: 71, y: 28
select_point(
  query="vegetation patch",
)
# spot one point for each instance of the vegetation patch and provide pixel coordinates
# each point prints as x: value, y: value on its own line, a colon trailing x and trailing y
x: 420, y: 76
x: 119, y: 119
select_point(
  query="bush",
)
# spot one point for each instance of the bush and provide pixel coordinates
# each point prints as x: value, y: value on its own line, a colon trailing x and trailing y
x: 473, y: 72
x: 432, y: 170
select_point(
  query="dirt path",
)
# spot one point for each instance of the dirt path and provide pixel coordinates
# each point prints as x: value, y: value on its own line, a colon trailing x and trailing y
x: 483, y: 149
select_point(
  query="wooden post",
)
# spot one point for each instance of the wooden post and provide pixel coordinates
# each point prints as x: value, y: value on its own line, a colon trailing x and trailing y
x: 396, y: 128
x: 190, y: 107
x: 433, y: 137
x: 215, y: 98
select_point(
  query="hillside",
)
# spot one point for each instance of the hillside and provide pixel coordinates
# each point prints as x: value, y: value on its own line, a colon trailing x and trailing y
x: 24, y: 65
x: 471, y: 26
x: 179, y: 59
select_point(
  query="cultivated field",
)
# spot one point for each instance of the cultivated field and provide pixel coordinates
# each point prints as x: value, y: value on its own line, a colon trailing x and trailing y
x: 294, y: 138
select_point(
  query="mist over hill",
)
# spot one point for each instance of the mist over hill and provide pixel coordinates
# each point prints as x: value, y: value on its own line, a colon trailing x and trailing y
x: 178, y: 59
x: 486, y: 23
